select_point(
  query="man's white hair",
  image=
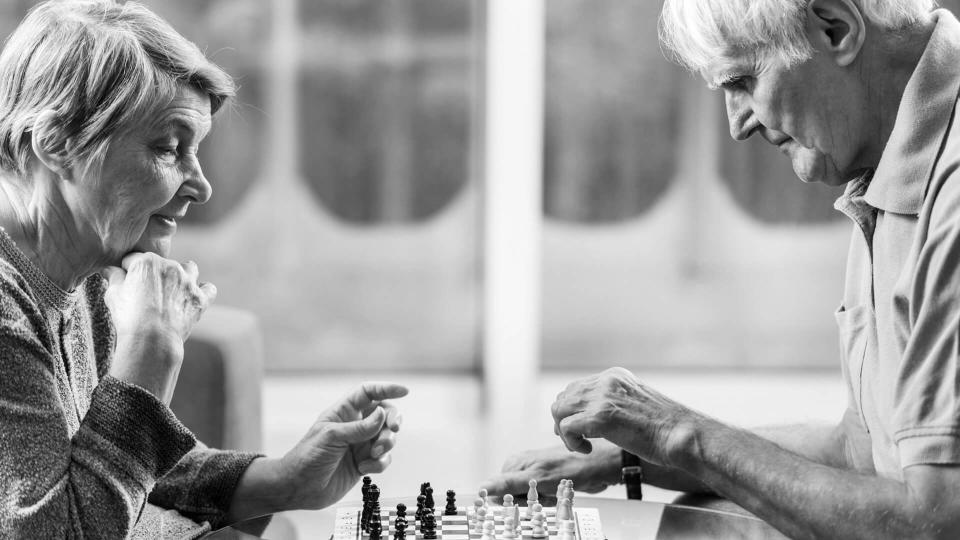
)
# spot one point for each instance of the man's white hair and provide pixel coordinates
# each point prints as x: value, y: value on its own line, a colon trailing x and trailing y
x: 696, y: 32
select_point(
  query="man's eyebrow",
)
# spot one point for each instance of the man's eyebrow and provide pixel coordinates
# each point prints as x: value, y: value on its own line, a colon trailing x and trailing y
x: 181, y: 125
x: 721, y: 81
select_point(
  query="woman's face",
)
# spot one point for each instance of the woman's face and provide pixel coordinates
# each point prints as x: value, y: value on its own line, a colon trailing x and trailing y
x: 148, y: 179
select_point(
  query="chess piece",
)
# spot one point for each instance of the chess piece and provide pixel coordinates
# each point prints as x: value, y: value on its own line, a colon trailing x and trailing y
x: 507, y: 500
x: 451, y: 508
x: 482, y: 494
x: 488, y: 529
x: 421, y: 499
x: 560, y: 487
x: 375, y: 525
x: 428, y: 526
x: 567, y: 529
x: 564, y: 509
x: 538, y: 527
x: 509, y: 527
x: 481, y: 513
x: 532, y: 497
x: 400, y: 524
x: 429, y: 501
x: 373, y: 500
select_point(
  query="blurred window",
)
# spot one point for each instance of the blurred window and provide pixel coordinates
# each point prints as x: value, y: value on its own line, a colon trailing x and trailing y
x: 612, y: 104
x: 386, y: 101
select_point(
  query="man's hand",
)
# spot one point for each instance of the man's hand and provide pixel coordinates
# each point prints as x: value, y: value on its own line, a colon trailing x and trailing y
x: 591, y: 473
x: 352, y: 438
x: 615, y: 405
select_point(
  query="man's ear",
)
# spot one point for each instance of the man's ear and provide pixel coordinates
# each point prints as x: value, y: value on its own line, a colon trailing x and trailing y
x: 836, y: 28
x: 49, y: 144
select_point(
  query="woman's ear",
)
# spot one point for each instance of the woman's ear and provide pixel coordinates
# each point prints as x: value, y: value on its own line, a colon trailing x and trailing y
x: 50, y: 145
x: 836, y: 28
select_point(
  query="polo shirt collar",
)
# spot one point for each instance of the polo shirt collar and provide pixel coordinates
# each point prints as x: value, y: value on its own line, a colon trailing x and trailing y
x: 901, y: 178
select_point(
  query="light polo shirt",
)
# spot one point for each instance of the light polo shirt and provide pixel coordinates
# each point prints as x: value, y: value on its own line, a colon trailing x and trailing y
x: 900, y: 318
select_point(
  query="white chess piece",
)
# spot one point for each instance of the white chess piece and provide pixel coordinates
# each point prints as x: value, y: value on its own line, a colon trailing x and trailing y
x: 481, y: 513
x: 568, y: 530
x: 488, y: 528
x: 538, y: 526
x: 560, y: 488
x: 509, y: 527
x: 532, y: 497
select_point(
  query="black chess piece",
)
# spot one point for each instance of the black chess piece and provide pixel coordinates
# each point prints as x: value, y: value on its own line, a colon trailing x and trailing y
x: 451, y: 508
x: 365, y: 514
x: 429, y: 494
x: 421, y: 499
x: 400, y: 524
x: 428, y: 526
x: 375, y: 524
x: 373, y: 501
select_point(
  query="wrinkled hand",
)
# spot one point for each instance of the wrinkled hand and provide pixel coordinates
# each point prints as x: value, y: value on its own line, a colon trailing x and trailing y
x: 591, y: 473
x: 615, y: 405
x: 150, y: 296
x: 352, y: 438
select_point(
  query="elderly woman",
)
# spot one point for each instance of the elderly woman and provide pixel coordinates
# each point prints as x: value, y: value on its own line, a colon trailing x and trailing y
x: 102, y: 109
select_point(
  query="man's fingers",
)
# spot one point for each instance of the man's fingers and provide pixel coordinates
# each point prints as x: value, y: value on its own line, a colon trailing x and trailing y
x: 574, y: 431
x: 508, y: 482
x: 394, y: 418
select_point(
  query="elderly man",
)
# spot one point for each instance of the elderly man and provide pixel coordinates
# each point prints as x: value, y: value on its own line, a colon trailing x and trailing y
x: 855, y: 92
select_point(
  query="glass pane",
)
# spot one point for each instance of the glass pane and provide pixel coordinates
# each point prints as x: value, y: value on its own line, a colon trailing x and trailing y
x: 611, y: 109
x: 386, y: 88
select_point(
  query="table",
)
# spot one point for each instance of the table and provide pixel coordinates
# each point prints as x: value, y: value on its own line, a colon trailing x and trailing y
x: 622, y: 520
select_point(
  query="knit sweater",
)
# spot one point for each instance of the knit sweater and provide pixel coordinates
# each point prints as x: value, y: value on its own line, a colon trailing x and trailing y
x: 83, y: 454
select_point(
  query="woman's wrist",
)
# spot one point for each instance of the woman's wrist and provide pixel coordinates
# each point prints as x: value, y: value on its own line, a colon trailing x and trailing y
x: 262, y: 489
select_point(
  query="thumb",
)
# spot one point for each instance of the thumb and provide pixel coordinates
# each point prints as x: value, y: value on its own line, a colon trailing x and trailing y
x: 362, y: 430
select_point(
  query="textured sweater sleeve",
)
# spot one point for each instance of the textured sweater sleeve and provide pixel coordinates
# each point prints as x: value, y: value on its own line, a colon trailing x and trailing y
x: 202, y: 484
x: 94, y: 483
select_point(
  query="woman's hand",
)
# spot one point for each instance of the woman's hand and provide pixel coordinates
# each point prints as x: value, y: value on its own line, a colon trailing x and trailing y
x: 351, y: 438
x: 155, y: 303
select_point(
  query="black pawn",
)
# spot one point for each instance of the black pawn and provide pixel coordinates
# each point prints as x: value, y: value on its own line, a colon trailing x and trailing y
x: 400, y: 524
x: 402, y: 511
x: 451, y: 508
x: 420, y: 502
x: 428, y: 527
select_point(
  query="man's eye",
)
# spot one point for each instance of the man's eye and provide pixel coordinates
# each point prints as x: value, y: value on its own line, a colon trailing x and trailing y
x: 735, y: 83
x: 168, y: 152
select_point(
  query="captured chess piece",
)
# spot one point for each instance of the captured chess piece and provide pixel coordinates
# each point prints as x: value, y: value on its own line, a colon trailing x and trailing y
x: 451, y: 508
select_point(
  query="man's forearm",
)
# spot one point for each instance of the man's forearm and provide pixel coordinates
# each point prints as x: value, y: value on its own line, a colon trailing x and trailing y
x: 802, y: 498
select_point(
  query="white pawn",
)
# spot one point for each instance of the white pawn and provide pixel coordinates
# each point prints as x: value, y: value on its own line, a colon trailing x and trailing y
x: 488, y: 528
x: 537, y: 527
x: 507, y: 502
x: 532, y: 497
x: 509, y: 527
x: 483, y: 494
x: 567, y: 530
x: 481, y: 513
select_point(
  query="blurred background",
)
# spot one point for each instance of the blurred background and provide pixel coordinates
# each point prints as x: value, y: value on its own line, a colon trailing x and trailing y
x: 365, y: 211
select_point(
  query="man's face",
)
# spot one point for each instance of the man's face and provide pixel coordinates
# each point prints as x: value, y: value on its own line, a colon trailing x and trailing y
x: 803, y: 110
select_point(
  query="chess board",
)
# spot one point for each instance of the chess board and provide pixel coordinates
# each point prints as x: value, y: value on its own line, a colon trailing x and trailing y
x: 347, y: 526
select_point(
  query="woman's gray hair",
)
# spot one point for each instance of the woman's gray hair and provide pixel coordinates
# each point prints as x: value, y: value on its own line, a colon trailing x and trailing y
x: 101, y: 67
x: 696, y: 32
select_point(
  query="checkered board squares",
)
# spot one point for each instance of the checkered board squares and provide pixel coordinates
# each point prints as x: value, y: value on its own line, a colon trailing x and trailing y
x: 456, y: 528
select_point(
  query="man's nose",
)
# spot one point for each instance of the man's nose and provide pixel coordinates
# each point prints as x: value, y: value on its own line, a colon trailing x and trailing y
x: 740, y: 117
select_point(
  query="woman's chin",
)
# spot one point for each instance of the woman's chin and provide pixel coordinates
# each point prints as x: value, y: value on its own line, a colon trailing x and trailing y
x: 159, y: 245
